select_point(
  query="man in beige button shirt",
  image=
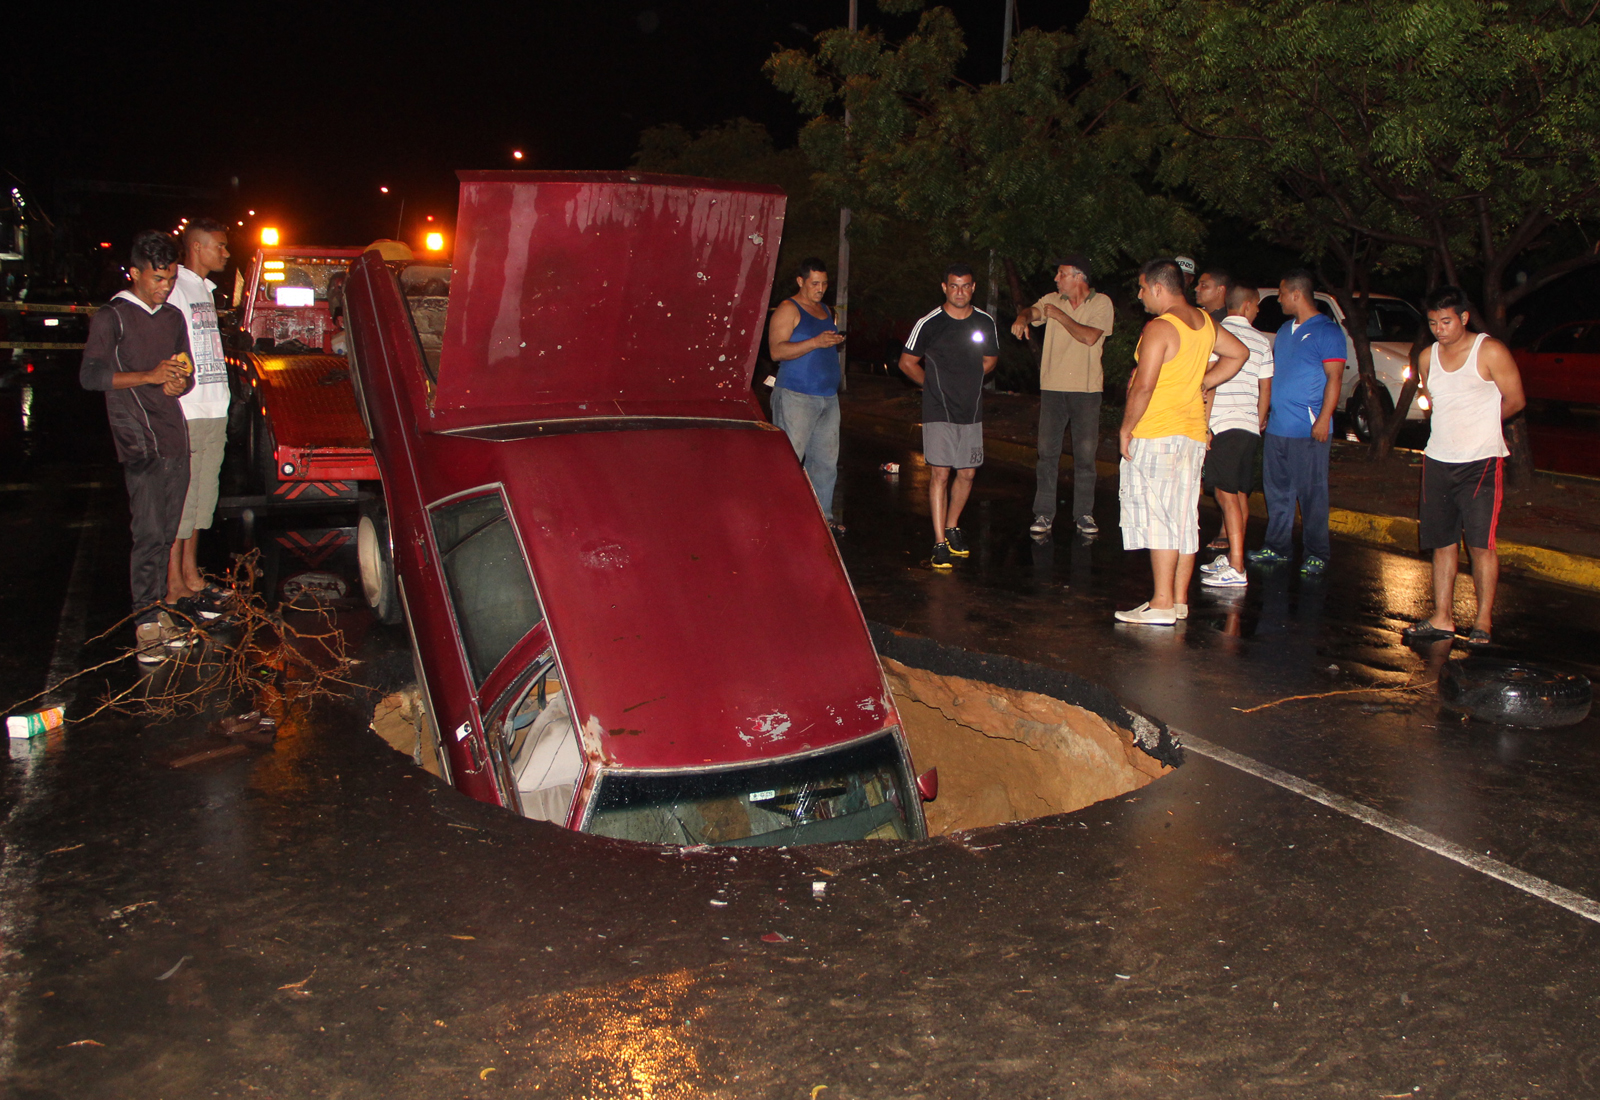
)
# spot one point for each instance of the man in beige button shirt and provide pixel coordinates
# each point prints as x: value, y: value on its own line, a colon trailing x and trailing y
x: 1076, y: 319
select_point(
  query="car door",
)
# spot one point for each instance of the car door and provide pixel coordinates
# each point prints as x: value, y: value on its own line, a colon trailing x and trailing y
x: 494, y: 606
x: 1548, y: 371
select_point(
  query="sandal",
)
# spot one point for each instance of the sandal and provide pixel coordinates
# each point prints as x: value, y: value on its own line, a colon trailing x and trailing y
x: 1425, y: 631
x: 1478, y: 638
x: 1218, y: 543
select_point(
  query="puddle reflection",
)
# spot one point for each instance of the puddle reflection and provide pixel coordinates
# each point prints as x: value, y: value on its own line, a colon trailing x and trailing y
x: 643, y: 1039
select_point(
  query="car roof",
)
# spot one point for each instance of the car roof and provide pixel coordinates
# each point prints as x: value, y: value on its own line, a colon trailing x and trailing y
x: 699, y: 609
x: 1263, y: 291
x: 605, y: 293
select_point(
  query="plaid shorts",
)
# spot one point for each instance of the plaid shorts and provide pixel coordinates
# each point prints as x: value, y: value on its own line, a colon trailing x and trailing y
x: 1161, y: 494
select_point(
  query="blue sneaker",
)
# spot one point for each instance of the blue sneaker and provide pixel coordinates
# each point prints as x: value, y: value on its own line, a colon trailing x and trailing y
x: 1266, y: 556
x: 1313, y: 566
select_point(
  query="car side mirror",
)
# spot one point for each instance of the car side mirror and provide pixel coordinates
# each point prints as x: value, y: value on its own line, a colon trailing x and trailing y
x: 928, y: 784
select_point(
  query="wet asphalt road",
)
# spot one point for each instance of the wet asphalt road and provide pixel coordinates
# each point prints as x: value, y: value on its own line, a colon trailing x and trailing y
x: 346, y: 927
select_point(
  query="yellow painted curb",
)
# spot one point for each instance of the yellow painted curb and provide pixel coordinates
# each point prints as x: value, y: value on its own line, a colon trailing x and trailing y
x: 1389, y: 532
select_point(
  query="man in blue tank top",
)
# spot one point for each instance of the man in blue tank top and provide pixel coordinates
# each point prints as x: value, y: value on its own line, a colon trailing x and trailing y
x: 802, y: 339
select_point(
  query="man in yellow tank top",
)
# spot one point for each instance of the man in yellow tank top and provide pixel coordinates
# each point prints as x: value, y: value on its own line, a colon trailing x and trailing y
x: 1164, y: 437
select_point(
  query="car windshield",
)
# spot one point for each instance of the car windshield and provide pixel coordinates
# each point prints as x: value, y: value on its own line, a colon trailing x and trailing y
x: 427, y: 293
x: 490, y: 589
x: 1392, y: 321
x: 855, y: 793
x: 298, y: 280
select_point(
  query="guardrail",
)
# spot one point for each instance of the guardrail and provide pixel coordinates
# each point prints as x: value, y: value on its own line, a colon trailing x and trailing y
x: 47, y: 308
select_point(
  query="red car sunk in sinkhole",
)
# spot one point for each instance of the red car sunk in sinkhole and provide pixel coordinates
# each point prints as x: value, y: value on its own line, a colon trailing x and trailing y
x: 628, y: 614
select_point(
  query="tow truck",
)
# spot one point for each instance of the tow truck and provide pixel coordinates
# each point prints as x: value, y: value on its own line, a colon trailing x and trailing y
x: 295, y: 411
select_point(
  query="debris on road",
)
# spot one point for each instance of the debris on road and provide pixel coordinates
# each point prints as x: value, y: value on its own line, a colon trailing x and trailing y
x: 36, y: 723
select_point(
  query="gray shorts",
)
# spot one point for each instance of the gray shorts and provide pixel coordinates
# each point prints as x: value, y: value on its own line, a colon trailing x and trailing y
x: 959, y: 446
x: 208, y: 438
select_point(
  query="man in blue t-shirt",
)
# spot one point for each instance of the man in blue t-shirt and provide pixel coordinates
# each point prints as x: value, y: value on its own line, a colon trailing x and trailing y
x: 1308, y: 370
x: 804, y: 339
x: 948, y: 353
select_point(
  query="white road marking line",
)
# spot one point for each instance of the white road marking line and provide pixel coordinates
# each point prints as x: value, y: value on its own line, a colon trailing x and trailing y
x: 74, y: 620
x: 19, y: 868
x: 1511, y: 876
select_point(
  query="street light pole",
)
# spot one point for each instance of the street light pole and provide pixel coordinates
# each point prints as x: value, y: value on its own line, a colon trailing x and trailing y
x: 841, y: 301
x: 1005, y: 78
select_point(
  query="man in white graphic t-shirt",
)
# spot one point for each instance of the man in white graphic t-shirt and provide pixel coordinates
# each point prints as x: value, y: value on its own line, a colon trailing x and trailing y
x: 205, y: 408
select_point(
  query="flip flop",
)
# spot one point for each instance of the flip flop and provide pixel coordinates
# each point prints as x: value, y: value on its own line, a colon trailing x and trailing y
x: 1218, y: 543
x: 1478, y: 638
x: 1424, y: 631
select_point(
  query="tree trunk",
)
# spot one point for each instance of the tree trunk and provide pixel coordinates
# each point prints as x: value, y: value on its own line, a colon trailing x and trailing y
x: 1353, y: 302
x: 1383, y: 443
x: 1519, y: 464
x: 1014, y: 281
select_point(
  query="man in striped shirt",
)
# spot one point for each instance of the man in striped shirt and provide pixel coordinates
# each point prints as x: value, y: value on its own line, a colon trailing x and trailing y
x: 1238, y: 413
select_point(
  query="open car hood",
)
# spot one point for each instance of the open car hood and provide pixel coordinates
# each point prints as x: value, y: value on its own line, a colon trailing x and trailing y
x: 602, y: 294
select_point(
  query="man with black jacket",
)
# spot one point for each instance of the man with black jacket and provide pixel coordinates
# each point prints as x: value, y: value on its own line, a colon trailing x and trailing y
x: 138, y: 354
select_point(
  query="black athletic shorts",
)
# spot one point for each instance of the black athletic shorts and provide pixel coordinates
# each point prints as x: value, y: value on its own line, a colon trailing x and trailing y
x: 1457, y: 497
x: 1231, y: 461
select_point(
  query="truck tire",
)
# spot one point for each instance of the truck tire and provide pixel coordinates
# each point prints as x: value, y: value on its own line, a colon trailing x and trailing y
x: 375, y: 553
x: 262, y: 452
x: 1515, y: 693
x: 1356, y: 410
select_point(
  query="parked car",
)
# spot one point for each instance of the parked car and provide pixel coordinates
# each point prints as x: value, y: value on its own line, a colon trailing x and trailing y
x: 1393, y: 324
x: 628, y: 614
x: 1563, y: 365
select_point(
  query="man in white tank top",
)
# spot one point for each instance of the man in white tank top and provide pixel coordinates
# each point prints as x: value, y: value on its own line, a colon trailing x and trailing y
x: 1473, y: 385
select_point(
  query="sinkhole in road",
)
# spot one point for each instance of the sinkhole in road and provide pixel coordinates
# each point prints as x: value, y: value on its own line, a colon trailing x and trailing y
x: 1011, y: 740
x: 1009, y: 754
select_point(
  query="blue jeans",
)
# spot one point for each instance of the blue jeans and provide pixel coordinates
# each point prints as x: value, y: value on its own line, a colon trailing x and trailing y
x: 812, y: 425
x: 1295, y: 470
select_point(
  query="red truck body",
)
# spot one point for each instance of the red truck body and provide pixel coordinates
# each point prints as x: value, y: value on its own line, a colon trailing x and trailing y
x: 307, y: 441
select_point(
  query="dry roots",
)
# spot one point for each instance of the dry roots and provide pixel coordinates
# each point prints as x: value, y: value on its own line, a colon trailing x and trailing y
x: 272, y: 661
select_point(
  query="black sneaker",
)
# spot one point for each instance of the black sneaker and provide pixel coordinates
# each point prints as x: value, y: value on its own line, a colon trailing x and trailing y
x: 957, y: 544
x: 1087, y: 525
x: 941, y: 556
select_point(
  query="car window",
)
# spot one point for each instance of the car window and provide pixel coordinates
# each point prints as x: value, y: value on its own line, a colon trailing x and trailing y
x: 540, y: 744
x: 298, y: 281
x: 1325, y: 307
x: 1392, y: 321
x: 855, y: 793
x: 490, y: 588
x: 1587, y: 340
x: 1271, y: 317
x: 1563, y: 339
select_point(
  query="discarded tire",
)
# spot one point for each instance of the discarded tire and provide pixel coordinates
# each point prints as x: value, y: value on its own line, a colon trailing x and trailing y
x: 1515, y: 693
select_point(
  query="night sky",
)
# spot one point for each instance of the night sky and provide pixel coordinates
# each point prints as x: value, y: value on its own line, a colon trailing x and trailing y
x: 313, y: 107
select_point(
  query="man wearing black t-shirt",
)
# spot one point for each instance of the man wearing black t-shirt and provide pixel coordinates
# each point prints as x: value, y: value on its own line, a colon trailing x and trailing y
x: 949, y: 352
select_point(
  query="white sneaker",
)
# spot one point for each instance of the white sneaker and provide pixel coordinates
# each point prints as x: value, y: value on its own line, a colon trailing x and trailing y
x: 1149, y: 616
x: 1181, y: 610
x: 1216, y: 565
x: 1226, y: 577
x: 1041, y: 524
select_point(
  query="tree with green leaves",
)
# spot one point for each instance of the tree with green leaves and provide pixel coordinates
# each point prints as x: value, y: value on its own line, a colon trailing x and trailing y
x: 1376, y: 134
x: 1043, y: 163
